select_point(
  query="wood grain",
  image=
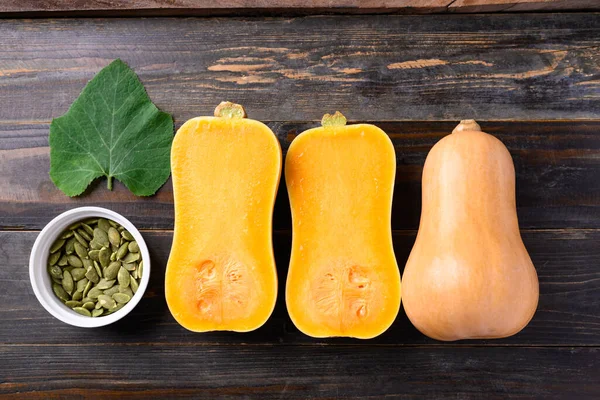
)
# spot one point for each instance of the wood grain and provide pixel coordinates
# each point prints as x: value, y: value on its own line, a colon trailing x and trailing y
x: 24, y: 8
x: 557, y: 164
x: 448, y: 67
x: 296, y: 372
x: 568, y: 312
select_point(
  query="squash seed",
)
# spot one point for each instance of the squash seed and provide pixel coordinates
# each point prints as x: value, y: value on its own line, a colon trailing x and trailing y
x: 62, y: 261
x: 87, y: 288
x: 121, y: 298
x: 82, y: 311
x: 112, y: 290
x: 127, y: 236
x: 60, y: 292
x: 53, y: 258
x: 58, y: 281
x: 126, y: 291
x: 104, y: 256
x: 81, y: 284
x: 89, y: 305
x: 130, y: 267
x: 101, y: 237
x: 80, y: 239
x: 78, y: 274
x: 105, y: 284
x: 123, y: 277
x: 92, y: 275
x: 97, y: 313
x: 94, y: 293
x: 113, y: 256
x: 72, y: 303
x: 74, y: 226
x: 94, y: 255
x: 113, y: 223
x: 74, y: 261
x: 134, y: 285
x: 106, y: 301
x: 134, y: 247
x: 112, y: 270
x: 98, y: 306
x: 113, y: 236
x: 98, y: 269
x: 66, y: 235
x: 94, y: 245
x: 70, y: 245
x: 55, y: 271
x: 77, y: 296
x: 122, y: 252
x: 140, y: 269
x: 115, y: 309
x: 88, y: 229
x: 67, y: 282
x: 84, y: 234
x: 56, y: 246
x: 103, y: 224
x: 131, y: 257
x: 87, y: 263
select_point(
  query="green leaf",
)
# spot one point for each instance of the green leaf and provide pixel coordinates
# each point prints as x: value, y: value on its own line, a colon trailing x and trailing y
x: 111, y: 130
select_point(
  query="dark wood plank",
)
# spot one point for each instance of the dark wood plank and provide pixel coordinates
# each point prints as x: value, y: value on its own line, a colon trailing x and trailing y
x: 568, y: 312
x: 557, y: 166
x: 447, y: 67
x: 25, y: 8
x: 297, y: 372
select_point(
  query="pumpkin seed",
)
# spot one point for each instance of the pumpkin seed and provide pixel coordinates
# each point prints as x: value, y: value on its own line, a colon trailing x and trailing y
x: 113, y: 236
x: 81, y: 284
x: 105, y: 284
x: 92, y: 275
x: 80, y: 239
x: 72, y: 303
x: 113, y: 256
x: 94, y: 255
x: 87, y: 300
x: 98, y: 269
x: 74, y: 261
x: 57, y: 280
x: 94, y: 293
x: 104, y: 256
x: 113, y: 223
x: 122, y: 252
x: 123, y: 277
x: 106, y: 301
x: 97, y: 313
x: 60, y: 292
x: 70, y: 246
x: 121, y: 298
x: 66, y: 235
x: 62, y: 261
x: 101, y: 237
x: 84, y: 234
x: 53, y: 258
x: 103, y: 224
x: 112, y: 270
x: 87, y: 288
x: 130, y: 267
x: 134, y: 247
x: 56, y: 246
x: 112, y: 290
x: 82, y: 311
x: 78, y: 274
x: 87, y: 263
x: 115, y: 309
x: 94, y: 245
x: 127, y: 236
x: 134, y: 285
x: 126, y: 291
x: 88, y: 305
x: 140, y: 269
x: 77, y: 296
x: 67, y: 282
x: 90, y: 221
x: 98, y: 306
x: 55, y: 272
x: 131, y: 257
x: 74, y: 226
x: 87, y: 228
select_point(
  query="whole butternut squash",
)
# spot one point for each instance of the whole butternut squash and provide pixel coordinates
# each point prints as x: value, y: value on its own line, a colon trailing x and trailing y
x: 343, y: 279
x: 221, y: 271
x: 469, y: 275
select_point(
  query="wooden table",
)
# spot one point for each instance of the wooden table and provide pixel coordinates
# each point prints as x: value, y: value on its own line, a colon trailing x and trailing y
x: 531, y: 79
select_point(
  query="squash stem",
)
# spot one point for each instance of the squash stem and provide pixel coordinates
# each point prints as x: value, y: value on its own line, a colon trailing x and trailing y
x: 467, y: 125
x: 227, y: 109
x: 336, y: 119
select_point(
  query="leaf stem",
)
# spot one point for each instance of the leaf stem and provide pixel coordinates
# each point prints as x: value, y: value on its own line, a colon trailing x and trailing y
x: 109, y: 184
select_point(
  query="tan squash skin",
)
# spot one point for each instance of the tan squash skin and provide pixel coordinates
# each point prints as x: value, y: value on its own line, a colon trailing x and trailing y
x: 469, y: 275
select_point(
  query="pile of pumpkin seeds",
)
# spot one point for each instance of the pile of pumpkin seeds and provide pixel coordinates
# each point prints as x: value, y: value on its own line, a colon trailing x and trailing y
x: 95, y: 266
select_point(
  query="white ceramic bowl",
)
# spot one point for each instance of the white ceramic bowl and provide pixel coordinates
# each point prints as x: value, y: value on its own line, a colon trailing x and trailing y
x: 42, y: 284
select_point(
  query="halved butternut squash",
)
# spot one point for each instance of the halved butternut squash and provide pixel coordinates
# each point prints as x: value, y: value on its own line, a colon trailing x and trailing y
x: 343, y: 279
x: 221, y: 272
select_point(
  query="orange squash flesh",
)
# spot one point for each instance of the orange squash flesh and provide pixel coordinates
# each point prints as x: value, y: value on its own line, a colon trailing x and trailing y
x: 469, y: 275
x: 343, y: 279
x: 221, y: 272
